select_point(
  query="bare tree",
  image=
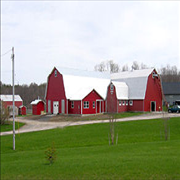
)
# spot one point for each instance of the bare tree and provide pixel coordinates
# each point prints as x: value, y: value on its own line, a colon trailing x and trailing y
x: 4, y: 114
x: 100, y: 67
x: 107, y: 66
x: 170, y: 74
x: 143, y: 66
x: 135, y: 65
x: 125, y: 68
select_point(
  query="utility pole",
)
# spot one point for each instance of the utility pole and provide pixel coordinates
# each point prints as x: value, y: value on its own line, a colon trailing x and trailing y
x: 13, y: 98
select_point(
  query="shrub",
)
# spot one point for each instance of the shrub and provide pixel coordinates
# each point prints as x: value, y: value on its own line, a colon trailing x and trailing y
x: 50, y: 154
x: 4, y: 114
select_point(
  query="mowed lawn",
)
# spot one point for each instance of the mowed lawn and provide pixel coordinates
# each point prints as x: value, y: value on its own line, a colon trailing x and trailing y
x: 8, y: 126
x: 83, y: 152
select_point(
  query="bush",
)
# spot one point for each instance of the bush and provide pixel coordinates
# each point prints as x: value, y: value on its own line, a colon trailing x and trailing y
x: 4, y: 114
x: 50, y: 154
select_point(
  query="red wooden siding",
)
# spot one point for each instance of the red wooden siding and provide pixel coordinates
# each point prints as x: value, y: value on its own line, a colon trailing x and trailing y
x: 153, y: 93
x: 22, y: 110
x: 93, y: 96
x: 55, y: 90
x: 76, y: 109
x: 37, y: 108
x: 10, y: 103
x: 111, y: 100
x: 137, y: 106
x: 122, y: 108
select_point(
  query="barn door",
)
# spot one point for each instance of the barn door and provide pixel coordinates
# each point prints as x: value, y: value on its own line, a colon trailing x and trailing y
x: 98, y: 107
x: 55, y: 107
x: 153, y: 105
x: 62, y: 106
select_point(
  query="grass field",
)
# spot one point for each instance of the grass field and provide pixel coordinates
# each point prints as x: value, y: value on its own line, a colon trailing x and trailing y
x: 83, y: 152
x: 9, y: 126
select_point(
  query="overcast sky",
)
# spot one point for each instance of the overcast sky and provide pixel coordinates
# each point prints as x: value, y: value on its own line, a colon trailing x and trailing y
x: 81, y: 34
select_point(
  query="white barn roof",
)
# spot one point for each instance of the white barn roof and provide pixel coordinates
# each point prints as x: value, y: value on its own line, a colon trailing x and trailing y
x: 77, y: 87
x: 10, y: 98
x: 121, y: 90
x: 136, y: 81
x: 78, y: 84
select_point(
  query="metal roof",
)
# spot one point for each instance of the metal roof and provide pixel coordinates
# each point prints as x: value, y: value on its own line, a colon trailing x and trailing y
x: 77, y: 87
x: 136, y: 81
x: 121, y: 90
x: 5, y: 97
x: 171, y: 88
x: 132, y: 74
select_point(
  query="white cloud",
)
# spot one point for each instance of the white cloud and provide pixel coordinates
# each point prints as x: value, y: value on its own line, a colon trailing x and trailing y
x: 81, y: 34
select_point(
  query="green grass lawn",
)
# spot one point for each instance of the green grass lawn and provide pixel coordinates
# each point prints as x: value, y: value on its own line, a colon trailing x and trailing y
x: 83, y: 152
x: 9, y: 126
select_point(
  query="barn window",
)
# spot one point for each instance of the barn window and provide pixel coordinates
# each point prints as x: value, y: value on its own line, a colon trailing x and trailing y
x: 112, y: 87
x: 119, y: 103
x: 131, y: 103
x: 126, y: 103
x: 55, y: 73
x: 123, y: 103
x: 72, y: 104
x: 93, y: 104
x: 86, y: 104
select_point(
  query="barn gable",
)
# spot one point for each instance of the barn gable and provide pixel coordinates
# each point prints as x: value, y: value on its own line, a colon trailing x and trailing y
x: 71, y: 86
x: 136, y: 81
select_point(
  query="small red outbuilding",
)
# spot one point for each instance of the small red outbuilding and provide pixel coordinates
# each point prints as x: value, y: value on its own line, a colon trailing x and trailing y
x: 22, y: 110
x: 37, y: 107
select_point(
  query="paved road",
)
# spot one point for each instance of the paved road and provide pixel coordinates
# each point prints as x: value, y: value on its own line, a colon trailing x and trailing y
x: 44, y: 124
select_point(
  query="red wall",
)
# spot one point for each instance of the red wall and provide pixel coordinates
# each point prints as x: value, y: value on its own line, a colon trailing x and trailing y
x: 55, y: 90
x: 92, y: 96
x: 111, y: 100
x: 122, y: 108
x: 153, y: 93
x: 23, y: 110
x: 76, y: 109
x: 137, y: 106
x: 10, y: 103
x: 37, y: 108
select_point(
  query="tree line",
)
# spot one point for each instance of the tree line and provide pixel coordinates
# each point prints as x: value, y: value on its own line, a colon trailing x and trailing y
x: 31, y: 92
x: 168, y: 73
x: 27, y: 92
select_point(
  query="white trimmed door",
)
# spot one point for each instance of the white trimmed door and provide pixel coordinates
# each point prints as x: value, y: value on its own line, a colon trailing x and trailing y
x: 55, y: 107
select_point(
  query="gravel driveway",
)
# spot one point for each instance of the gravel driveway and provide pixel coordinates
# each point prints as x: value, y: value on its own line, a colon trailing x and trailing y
x: 44, y: 124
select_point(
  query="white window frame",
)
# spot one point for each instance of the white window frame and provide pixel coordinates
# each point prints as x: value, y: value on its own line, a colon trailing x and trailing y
x: 120, y: 103
x: 72, y: 104
x: 123, y: 103
x: 126, y: 103
x: 131, y: 102
x: 86, y: 104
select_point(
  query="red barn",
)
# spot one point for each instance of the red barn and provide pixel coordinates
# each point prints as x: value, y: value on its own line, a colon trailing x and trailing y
x: 144, y: 91
x: 8, y: 100
x: 76, y: 92
x: 22, y: 110
x: 117, y: 97
x: 37, y: 107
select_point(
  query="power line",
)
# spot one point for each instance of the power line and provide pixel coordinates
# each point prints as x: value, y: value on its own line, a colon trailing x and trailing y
x: 5, y: 53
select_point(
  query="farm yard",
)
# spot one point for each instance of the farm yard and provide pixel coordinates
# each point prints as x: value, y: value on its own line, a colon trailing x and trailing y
x: 83, y: 152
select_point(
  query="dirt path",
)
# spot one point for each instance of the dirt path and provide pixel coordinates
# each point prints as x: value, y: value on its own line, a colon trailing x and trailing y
x: 44, y: 124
